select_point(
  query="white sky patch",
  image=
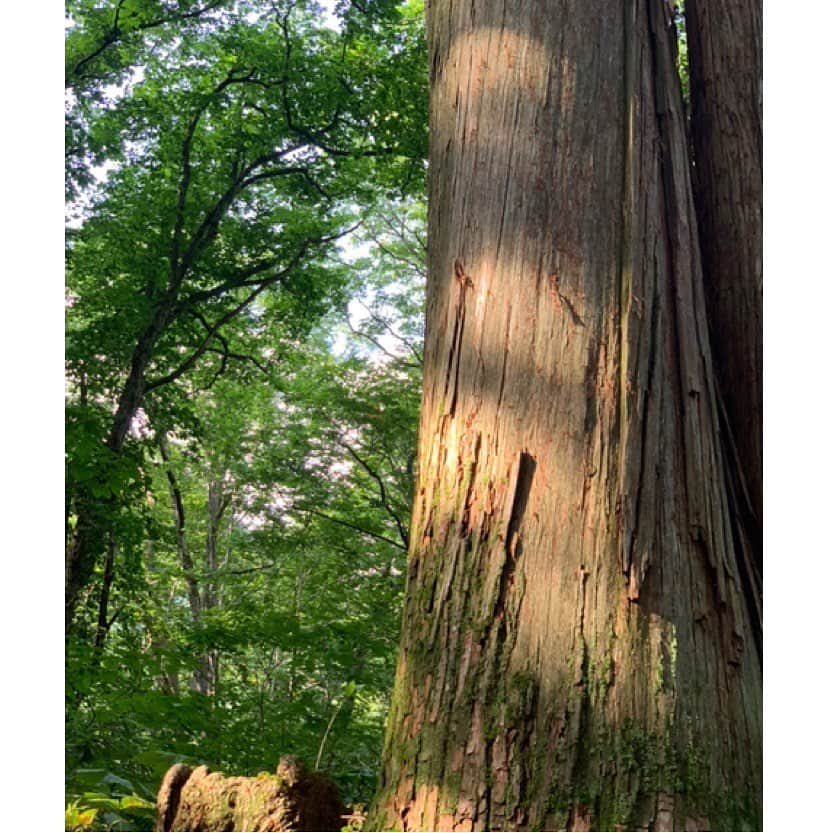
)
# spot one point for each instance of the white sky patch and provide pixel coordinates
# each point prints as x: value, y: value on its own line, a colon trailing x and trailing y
x: 327, y: 11
x: 352, y: 248
x: 329, y: 18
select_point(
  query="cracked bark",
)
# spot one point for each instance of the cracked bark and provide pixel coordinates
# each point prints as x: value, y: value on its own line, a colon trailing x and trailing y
x: 580, y: 646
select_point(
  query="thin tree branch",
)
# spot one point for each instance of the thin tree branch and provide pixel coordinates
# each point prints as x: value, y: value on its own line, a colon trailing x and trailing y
x: 178, y: 506
x: 314, y: 137
x: 403, y: 232
x: 241, y: 357
x: 296, y: 170
x: 419, y: 268
x: 116, y: 34
x: 403, y: 532
x: 354, y: 527
x: 242, y: 278
x: 247, y: 570
x: 208, y: 228
x: 379, y: 346
x: 112, y: 620
x: 192, y: 359
x: 379, y: 320
x: 225, y: 352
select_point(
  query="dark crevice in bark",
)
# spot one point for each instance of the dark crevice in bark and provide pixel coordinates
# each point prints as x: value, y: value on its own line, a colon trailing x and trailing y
x: 520, y: 498
x: 453, y: 368
x: 465, y: 521
x: 521, y: 486
x: 744, y: 528
x: 645, y: 438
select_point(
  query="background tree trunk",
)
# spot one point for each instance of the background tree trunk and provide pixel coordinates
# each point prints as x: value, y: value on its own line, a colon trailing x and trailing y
x: 207, y: 673
x: 94, y: 518
x: 218, y: 501
x: 580, y: 637
x: 104, y: 622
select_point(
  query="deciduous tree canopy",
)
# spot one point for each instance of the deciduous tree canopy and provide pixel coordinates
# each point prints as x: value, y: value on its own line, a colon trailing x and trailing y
x: 245, y: 259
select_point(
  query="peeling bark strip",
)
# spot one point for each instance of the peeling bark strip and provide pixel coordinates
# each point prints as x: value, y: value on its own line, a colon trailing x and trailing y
x: 580, y: 639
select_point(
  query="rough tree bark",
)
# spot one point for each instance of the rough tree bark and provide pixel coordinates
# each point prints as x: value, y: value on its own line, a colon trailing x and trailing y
x: 581, y: 638
x: 725, y: 49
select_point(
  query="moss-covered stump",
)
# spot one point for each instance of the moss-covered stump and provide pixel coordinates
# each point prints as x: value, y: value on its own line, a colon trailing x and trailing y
x: 292, y: 799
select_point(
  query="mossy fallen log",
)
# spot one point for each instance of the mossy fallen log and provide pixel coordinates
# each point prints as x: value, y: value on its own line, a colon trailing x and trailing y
x: 294, y: 798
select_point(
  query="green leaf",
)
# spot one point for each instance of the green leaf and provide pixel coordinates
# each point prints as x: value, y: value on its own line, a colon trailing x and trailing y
x: 112, y: 778
x: 100, y: 800
x: 134, y: 802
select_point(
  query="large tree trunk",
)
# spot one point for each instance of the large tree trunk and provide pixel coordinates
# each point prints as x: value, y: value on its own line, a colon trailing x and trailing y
x: 580, y: 645
x: 725, y: 52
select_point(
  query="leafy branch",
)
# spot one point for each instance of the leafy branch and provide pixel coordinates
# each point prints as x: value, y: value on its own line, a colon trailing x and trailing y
x: 119, y: 31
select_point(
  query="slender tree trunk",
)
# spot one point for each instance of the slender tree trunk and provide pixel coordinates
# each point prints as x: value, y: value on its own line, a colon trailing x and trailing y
x: 206, y: 674
x: 103, y: 625
x: 184, y: 553
x: 94, y: 517
x: 218, y: 501
x: 580, y: 642
x: 216, y: 506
